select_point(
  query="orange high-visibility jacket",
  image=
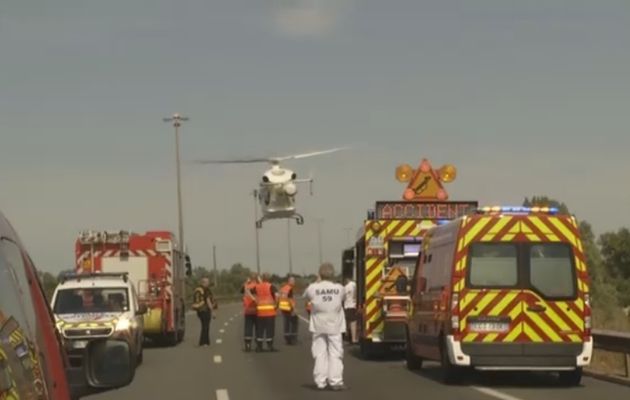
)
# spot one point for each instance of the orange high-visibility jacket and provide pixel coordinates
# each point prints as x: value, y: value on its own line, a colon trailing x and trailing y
x: 265, y: 303
x: 249, y: 304
x: 286, y: 303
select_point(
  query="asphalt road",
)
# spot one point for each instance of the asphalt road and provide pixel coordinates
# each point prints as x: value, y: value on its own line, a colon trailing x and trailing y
x: 223, y: 372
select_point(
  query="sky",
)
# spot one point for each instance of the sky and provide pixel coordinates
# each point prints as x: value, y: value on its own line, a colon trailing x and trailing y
x: 523, y: 97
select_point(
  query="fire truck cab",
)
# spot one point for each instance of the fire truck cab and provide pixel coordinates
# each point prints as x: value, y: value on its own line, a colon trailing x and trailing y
x: 155, y: 267
x: 504, y: 289
x: 388, y: 245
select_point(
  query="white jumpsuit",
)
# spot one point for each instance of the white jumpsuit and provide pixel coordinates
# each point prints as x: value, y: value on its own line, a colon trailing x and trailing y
x: 327, y: 324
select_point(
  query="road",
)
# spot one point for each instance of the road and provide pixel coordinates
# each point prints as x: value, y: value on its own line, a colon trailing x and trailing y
x: 224, y: 372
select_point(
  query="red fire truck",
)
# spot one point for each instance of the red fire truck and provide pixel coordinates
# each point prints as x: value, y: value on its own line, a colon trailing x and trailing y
x: 155, y: 266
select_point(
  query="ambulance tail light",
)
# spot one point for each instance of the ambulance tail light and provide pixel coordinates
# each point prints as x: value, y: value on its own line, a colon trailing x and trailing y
x: 588, y: 320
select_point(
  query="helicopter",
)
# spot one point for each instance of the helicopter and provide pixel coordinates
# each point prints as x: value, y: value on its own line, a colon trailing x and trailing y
x: 279, y: 186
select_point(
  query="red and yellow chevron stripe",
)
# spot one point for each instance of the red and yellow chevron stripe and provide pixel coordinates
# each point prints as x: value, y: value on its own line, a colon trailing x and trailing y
x: 561, y: 321
x: 384, y: 231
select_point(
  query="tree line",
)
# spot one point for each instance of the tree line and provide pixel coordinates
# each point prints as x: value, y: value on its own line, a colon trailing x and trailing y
x: 608, y: 261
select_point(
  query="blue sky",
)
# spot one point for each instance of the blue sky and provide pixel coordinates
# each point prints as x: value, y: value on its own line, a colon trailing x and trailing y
x: 523, y: 97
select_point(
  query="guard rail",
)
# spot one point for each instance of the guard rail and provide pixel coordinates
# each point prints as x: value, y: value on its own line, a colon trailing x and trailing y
x: 616, y: 342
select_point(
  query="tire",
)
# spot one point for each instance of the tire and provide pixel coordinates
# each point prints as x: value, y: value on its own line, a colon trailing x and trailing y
x: 413, y: 362
x: 570, y: 378
x: 140, y: 358
x: 172, y: 339
x: 451, y: 374
x: 365, y: 347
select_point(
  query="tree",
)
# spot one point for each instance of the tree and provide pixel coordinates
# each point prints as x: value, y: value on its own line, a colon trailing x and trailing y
x: 615, y: 251
x: 544, y: 201
x: 49, y: 283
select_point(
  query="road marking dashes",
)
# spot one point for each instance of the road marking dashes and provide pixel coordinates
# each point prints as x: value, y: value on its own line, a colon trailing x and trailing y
x: 494, y: 393
x: 226, y: 324
x: 222, y: 394
x: 221, y: 330
x: 219, y: 341
x: 218, y: 359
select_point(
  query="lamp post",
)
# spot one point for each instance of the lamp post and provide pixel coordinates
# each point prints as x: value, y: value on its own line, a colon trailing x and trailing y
x: 177, y: 120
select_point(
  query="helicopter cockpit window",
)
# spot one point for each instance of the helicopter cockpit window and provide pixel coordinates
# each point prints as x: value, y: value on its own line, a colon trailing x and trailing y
x: 20, y: 373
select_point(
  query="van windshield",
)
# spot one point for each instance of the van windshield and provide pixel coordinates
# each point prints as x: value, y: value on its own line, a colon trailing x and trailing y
x: 91, y: 300
x: 493, y: 265
x: 551, y: 270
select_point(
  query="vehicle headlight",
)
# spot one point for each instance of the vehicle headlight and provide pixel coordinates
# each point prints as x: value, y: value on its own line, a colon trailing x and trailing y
x: 123, y: 325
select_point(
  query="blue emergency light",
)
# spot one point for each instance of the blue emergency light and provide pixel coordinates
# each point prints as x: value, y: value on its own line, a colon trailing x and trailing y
x: 521, y: 210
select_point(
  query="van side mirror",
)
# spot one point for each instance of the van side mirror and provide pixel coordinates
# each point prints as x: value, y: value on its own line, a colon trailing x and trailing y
x: 188, y: 265
x: 109, y: 364
x: 142, y: 309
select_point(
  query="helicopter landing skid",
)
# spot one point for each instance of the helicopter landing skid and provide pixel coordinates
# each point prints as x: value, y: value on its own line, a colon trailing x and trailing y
x: 297, y: 217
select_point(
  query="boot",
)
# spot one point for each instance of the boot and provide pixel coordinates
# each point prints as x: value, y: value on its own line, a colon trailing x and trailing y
x: 248, y: 346
x: 270, y: 346
x: 259, y: 347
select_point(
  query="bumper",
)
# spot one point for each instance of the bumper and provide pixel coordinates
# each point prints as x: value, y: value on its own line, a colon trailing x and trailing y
x: 520, y: 356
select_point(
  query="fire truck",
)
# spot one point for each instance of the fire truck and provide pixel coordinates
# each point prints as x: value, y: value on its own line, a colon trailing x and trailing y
x: 387, y: 247
x: 154, y: 265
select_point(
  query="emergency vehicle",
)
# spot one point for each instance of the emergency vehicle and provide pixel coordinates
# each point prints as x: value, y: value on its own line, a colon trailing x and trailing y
x: 32, y: 364
x: 386, y: 251
x: 153, y: 264
x: 503, y: 289
x: 96, y: 306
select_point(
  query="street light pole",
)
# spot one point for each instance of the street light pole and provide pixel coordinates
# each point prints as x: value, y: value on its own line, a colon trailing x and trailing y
x: 289, y: 244
x: 177, y: 120
x: 256, y: 230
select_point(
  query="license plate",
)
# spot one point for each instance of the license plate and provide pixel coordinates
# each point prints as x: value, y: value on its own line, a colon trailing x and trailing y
x: 79, y: 344
x: 489, y: 327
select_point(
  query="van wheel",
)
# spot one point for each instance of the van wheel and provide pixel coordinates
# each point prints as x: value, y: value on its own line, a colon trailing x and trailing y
x: 140, y: 357
x: 365, y: 349
x: 451, y: 374
x: 570, y: 378
x: 414, y: 363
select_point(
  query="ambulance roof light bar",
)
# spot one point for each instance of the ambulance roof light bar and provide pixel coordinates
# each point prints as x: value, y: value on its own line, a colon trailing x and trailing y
x: 518, y: 210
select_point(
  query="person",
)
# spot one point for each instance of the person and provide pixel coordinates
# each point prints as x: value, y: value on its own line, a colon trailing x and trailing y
x: 265, y: 294
x: 286, y: 304
x: 204, y: 304
x: 249, y: 310
x: 350, y: 307
x: 327, y: 323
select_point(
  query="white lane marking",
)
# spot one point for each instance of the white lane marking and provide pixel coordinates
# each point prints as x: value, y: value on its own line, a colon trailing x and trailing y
x: 226, y: 324
x: 218, y: 359
x: 221, y: 330
x: 219, y: 341
x: 222, y: 394
x: 494, y: 393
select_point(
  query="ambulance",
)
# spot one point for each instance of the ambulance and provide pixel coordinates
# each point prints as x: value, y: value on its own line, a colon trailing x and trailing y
x: 505, y: 288
x: 384, y: 256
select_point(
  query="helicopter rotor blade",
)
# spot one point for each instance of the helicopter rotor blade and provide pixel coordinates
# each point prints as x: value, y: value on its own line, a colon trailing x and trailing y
x: 235, y: 161
x: 311, y: 154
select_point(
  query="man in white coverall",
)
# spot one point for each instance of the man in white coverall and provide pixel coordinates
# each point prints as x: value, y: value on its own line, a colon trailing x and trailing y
x: 327, y: 323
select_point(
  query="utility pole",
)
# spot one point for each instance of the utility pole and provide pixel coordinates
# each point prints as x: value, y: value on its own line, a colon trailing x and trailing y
x: 256, y: 230
x: 214, y: 264
x: 319, y: 240
x: 177, y: 120
x: 289, y: 245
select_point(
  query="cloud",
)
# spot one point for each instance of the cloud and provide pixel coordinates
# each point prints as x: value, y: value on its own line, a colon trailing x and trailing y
x: 308, y: 18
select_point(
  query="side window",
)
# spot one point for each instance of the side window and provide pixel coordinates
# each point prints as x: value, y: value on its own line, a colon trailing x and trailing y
x: 17, y: 269
x: 20, y: 373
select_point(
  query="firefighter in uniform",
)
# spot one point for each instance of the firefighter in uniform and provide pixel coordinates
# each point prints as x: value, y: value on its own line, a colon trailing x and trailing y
x: 265, y: 294
x: 203, y: 303
x: 286, y: 304
x: 249, y: 310
x: 327, y: 323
